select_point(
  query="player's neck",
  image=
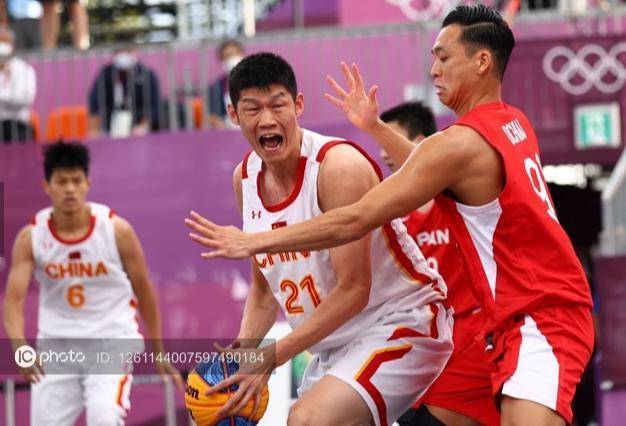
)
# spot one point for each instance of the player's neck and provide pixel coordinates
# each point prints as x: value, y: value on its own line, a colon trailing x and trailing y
x: 477, y: 98
x: 72, y: 223
x: 426, y: 207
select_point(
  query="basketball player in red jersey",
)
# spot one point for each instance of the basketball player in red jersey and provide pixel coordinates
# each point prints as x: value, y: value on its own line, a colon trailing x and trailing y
x: 462, y: 394
x: 485, y: 174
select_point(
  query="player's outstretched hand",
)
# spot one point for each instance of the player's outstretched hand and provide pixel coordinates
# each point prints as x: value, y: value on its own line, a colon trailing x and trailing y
x: 254, y: 372
x: 361, y: 108
x: 226, y: 241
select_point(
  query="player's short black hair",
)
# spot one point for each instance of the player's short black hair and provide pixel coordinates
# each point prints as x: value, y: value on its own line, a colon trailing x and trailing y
x: 225, y: 43
x: 261, y: 70
x: 415, y: 117
x: 65, y: 155
x: 483, y: 27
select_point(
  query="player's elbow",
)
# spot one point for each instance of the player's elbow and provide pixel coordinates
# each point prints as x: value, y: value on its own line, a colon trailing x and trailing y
x: 356, y: 228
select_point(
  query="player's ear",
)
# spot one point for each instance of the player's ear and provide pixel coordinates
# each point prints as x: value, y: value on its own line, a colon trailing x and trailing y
x: 299, y: 102
x: 232, y: 114
x: 484, y: 60
x: 45, y: 185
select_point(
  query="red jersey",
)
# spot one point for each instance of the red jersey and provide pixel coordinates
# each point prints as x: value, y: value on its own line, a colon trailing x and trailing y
x: 434, y: 239
x: 517, y: 254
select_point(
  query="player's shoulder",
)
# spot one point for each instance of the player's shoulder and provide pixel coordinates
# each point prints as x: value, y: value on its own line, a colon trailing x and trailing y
x: 238, y: 173
x: 23, y: 241
x: 461, y: 141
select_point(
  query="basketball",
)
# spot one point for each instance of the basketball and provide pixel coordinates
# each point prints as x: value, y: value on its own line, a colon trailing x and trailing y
x: 203, y: 408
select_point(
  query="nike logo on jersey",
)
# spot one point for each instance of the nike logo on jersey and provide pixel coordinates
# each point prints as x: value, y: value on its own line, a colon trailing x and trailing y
x: 433, y: 238
x: 58, y: 271
x: 514, y: 131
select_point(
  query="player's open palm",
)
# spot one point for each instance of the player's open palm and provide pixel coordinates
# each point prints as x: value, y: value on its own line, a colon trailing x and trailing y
x: 226, y: 241
x: 360, y: 107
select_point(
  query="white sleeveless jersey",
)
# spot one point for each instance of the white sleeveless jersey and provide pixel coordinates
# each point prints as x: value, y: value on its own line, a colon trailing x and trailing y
x: 84, y: 290
x: 301, y: 280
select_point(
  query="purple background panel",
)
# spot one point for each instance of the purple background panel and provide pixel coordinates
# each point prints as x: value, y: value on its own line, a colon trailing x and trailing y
x: 610, y: 274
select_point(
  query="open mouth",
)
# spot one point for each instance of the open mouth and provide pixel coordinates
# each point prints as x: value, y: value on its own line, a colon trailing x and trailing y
x: 271, y: 142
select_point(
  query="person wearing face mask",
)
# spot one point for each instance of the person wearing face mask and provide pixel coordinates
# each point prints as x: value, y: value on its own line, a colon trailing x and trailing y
x: 229, y: 53
x: 17, y: 91
x: 124, y: 98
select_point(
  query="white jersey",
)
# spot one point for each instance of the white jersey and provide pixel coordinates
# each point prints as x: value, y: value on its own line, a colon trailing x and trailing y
x: 301, y: 280
x: 84, y: 290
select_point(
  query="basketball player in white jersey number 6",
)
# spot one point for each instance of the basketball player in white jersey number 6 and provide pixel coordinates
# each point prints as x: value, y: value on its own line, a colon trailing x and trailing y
x: 92, y: 280
x: 372, y: 312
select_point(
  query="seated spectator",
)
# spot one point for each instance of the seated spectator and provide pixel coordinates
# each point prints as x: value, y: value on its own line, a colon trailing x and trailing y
x: 229, y: 54
x: 124, y: 98
x: 23, y: 16
x: 51, y: 23
x: 17, y: 91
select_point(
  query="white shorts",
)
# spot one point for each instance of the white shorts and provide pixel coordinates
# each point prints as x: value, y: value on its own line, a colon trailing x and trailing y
x: 392, y: 363
x: 58, y: 400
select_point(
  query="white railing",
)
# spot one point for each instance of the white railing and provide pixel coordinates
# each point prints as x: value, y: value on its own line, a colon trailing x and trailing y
x: 614, y: 211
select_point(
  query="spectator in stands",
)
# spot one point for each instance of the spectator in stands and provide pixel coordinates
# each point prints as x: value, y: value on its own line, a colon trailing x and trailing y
x: 51, y: 23
x: 23, y: 17
x: 17, y: 91
x: 124, y: 99
x: 229, y: 53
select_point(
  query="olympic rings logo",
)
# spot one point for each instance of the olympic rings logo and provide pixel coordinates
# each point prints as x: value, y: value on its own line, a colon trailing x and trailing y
x: 433, y: 8
x: 607, y: 64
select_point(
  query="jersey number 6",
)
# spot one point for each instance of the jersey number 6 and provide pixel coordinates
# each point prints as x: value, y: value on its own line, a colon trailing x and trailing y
x: 307, y: 283
x: 76, y: 295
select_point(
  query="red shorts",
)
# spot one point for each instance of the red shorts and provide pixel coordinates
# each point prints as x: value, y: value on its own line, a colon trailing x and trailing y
x: 541, y: 356
x: 465, y: 384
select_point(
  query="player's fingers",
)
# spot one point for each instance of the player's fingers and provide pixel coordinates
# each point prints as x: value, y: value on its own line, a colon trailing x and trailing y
x: 372, y: 94
x: 233, y: 401
x: 348, y: 75
x: 224, y: 384
x: 333, y: 100
x: 199, y: 227
x: 206, y: 242
x: 244, y: 400
x: 358, y: 79
x: 336, y: 87
x: 213, y: 254
x: 257, y: 403
x: 202, y: 221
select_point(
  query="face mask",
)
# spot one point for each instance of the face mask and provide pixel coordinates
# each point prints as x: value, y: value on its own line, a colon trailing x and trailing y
x: 6, y: 49
x: 231, y: 63
x: 124, y: 61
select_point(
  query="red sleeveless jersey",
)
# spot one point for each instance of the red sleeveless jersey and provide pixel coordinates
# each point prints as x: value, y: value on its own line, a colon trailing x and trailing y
x: 518, y: 256
x: 433, y: 236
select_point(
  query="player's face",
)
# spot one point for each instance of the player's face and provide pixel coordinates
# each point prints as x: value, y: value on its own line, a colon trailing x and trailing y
x: 454, y: 69
x: 67, y: 189
x: 268, y: 118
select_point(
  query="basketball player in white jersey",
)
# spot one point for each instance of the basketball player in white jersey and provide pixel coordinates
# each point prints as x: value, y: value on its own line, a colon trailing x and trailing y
x: 93, y: 278
x: 372, y: 312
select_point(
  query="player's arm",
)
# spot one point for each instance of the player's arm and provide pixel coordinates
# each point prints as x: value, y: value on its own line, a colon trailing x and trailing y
x: 351, y: 262
x: 442, y: 161
x: 134, y: 264
x: 22, y: 267
x: 261, y: 308
x: 362, y: 110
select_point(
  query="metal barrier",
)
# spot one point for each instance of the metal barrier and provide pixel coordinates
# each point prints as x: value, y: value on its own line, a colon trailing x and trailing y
x: 614, y: 211
x: 169, y: 397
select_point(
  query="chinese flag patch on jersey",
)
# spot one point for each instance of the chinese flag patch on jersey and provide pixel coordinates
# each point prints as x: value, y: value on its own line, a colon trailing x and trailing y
x: 74, y: 255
